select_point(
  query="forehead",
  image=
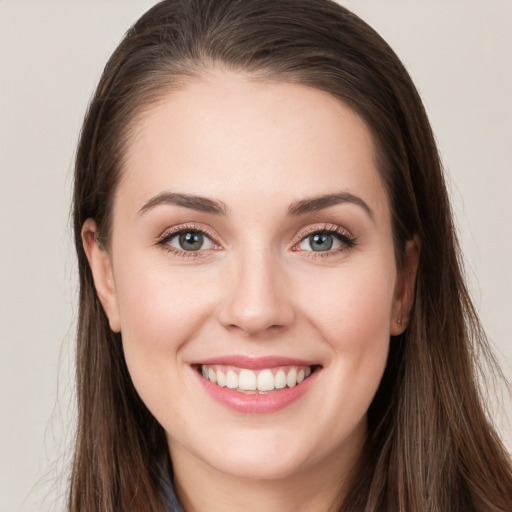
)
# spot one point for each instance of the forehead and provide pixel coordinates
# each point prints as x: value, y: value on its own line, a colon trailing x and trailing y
x: 226, y: 135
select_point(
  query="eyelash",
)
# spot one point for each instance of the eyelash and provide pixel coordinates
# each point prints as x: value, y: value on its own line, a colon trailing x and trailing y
x: 343, y: 236
x: 347, y: 240
x: 178, y: 230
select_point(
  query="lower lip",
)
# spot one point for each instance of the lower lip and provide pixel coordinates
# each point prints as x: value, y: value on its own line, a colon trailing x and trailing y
x: 258, y: 404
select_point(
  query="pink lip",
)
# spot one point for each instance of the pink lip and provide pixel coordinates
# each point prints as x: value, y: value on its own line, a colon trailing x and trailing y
x: 254, y: 403
x: 254, y: 363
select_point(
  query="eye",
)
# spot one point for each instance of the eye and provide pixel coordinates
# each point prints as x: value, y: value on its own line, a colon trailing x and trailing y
x: 188, y: 240
x: 328, y: 240
x: 320, y: 242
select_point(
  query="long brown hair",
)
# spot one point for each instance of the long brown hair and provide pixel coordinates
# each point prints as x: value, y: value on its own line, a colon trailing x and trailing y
x: 430, y: 445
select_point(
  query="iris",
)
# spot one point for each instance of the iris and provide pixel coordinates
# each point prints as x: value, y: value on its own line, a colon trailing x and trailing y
x: 321, y: 242
x: 191, y: 240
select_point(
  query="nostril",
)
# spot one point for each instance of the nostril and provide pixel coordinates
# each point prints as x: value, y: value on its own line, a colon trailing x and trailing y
x: 255, y: 299
x: 256, y: 319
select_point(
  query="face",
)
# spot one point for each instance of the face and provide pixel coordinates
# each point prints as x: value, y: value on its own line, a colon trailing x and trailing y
x: 252, y: 274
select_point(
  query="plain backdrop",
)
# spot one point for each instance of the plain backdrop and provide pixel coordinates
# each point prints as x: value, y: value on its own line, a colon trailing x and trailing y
x: 51, y: 55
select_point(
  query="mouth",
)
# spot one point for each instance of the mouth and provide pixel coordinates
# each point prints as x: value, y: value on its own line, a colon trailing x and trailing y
x: 256, y: 385
x: 256, y: 382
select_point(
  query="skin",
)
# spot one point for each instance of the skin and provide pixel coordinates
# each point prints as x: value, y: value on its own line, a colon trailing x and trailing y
x: 258, y: 289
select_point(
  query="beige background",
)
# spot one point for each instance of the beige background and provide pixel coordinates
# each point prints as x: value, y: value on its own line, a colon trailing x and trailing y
x: 51, y: 54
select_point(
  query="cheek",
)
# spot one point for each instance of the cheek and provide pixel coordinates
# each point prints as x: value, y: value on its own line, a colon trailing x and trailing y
x: 160, y: 311
x: 159, y: 304
x: 353, y: 310
x: 353, y: 316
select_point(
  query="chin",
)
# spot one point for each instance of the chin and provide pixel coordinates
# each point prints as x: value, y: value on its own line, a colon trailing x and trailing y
x: 266, y: 466
x: 256, y: 454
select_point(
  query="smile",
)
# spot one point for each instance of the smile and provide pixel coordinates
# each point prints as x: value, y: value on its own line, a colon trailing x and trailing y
x: 266, y: 380
x: 256, y: 385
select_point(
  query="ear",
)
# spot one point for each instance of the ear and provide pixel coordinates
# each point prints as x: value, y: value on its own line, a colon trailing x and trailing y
x: 101, y: 268
x: 404, y: 290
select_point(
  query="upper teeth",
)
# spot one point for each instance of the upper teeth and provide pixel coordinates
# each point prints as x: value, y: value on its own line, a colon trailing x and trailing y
x: 243, y: 379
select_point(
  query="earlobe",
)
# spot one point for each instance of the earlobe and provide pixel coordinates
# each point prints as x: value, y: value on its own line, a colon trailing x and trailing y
x: 101, y: 268
x: 406, y: 283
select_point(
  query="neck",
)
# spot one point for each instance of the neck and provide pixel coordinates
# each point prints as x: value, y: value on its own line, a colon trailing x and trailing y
x: 318, y: 487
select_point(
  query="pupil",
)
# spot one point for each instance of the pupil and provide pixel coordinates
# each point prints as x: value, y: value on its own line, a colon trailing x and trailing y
x: 321, y: 242
x: 191, y: 241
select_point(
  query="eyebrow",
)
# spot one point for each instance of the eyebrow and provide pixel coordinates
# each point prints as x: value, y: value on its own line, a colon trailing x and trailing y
x: 198, y: 203
x: 314, y: 204
x: 203, y: 204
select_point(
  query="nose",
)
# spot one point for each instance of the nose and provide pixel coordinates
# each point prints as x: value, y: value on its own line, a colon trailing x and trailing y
x: 257, y: 300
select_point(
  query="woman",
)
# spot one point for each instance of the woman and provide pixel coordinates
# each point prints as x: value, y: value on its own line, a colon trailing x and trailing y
x: 272, y: 313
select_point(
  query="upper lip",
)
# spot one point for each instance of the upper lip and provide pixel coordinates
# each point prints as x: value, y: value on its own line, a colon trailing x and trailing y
x: 254, y: 363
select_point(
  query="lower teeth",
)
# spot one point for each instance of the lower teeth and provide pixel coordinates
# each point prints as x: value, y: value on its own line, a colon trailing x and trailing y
x: 256, y: 392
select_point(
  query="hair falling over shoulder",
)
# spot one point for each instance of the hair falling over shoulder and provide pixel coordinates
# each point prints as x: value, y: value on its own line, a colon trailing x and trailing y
x: 431, y: 446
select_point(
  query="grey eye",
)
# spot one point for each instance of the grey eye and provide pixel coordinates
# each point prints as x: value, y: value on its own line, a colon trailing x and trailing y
x: 320, y: 242
x: 191, y: 241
